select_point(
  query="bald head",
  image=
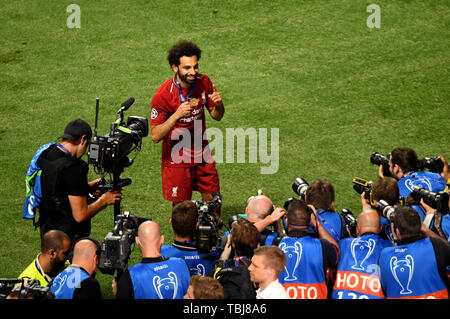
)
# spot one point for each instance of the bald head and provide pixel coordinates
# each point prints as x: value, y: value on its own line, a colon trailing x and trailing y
x: 258, y: 208
x: 149, y: 239
x: 84, y: 249
x: 85, y: 255
x: 368, y: 222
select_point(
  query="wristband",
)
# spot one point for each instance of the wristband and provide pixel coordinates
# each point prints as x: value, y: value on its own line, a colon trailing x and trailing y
x: 269, y: 218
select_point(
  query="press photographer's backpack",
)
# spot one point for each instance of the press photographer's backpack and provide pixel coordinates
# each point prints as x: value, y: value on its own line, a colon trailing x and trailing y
x: 33, y: 195
x: 35, y: 187
x: 235, y: 281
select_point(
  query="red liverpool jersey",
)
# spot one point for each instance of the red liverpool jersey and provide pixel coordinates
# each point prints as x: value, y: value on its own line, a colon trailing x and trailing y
x: 184, y: 146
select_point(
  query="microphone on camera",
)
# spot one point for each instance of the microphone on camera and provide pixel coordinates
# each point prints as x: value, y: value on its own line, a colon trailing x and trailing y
x: 126, y: 105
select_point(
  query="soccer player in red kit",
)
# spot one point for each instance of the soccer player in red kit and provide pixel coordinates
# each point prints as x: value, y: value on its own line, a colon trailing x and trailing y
x: 178, y: 119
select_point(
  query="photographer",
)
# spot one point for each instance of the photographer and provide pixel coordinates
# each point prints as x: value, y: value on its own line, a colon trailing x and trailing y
x: 65, y: 188
x: 232, y: 272
x: 384, y: 188
x: 308, y: 257
x: 405, y: 167
x: 55, y: 247
x: 155, y: 277
x: 184, y: 223
x: 416, y: 266
x: 77, y: 281
x: 357, y: 274
x: 320, y: 194
x: 436, y: 220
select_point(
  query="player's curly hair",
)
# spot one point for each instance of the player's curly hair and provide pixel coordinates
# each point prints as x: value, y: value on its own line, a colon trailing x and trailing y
x: 183, y: 48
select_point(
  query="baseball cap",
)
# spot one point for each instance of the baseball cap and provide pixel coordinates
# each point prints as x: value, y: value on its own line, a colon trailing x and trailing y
x: 76, y: 129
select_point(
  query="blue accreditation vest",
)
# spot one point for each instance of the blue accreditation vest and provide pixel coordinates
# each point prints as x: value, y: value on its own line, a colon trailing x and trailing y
x: 198, y: 263
x: 332, y: 222
x: 67, y: 281
x: 167, y: 279
x: 357, y: 274
x: 303, y: 276
x: 430, y: 181
x: 410, y: 271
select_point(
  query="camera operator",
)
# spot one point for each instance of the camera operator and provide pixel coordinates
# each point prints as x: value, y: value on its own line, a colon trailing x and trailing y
x: 184, y: 222
x: 65, y: 188
x: 416, y: 266
x: 155, y: 277
x: 405, y: 167
x: 320, y: 194
x: 55, y: 247
x: 357, y: 274
x: 78, y: 280
x: 308, y: 257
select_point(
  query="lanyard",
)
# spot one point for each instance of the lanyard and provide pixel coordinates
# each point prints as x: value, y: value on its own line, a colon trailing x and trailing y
x: 182, y: 99
x: 65, y: 150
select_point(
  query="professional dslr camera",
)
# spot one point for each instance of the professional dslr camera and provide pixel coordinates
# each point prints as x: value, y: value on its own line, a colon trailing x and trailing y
x: 350, y: 220
x: 28, y: 289
x: 361, y: 185
x: 433, y: 164
x: 108, y: 154
x: 299, y: 186
x: 381, y: 160
x: 116, y: 247
x: 206, y: 236
x: 438, y: 201
x: 386, y: 210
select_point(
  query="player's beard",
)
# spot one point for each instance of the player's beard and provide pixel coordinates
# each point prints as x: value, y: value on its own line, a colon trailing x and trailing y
x: 185, y: 78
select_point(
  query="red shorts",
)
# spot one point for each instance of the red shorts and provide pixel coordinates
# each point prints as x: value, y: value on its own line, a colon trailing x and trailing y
x: 179, y: 182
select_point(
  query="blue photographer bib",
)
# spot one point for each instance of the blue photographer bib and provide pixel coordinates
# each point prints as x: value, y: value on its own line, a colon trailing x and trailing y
x: 64, y: 285
x: 199, y: 263
x: 167, y: 279
x: 303, y: 276
x: 357, y: 274
x: 429, y: 181
x: 410, y: 271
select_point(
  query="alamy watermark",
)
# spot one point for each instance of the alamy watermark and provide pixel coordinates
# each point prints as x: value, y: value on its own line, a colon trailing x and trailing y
x: 74, y: 19
x: 374, y: 20
x: 234, y: 138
